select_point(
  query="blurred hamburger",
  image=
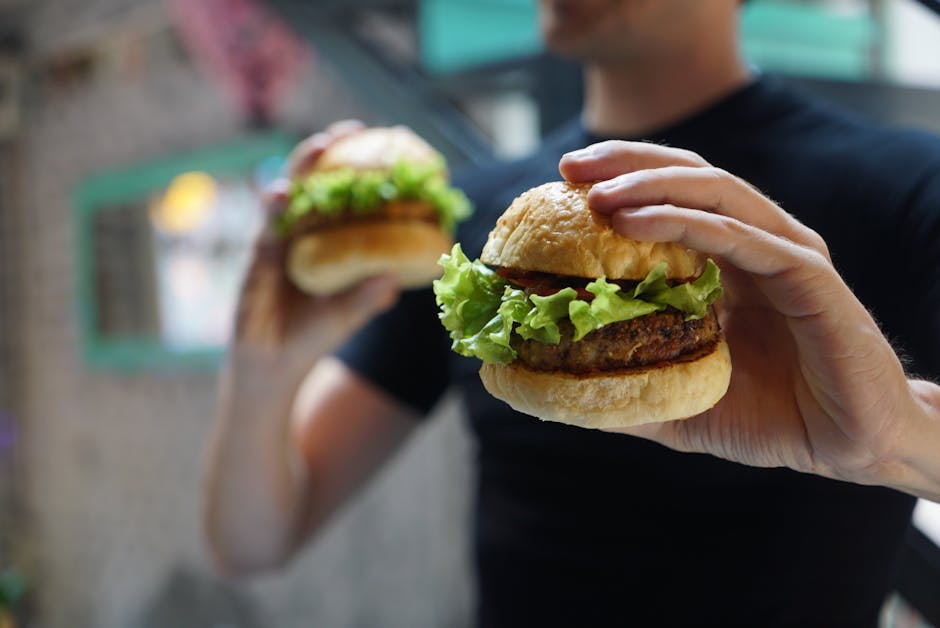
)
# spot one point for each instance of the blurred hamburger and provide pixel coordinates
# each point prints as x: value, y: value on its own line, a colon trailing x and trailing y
x: 577, y: 324
x: 375, y: 202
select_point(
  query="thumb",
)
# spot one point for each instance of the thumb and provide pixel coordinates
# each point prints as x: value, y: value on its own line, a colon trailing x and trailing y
x: 331, y: 320
x: 372, y: 296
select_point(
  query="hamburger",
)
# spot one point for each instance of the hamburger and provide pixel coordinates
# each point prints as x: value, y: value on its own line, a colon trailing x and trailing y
x: 375, y: 202
x: 577, y: 324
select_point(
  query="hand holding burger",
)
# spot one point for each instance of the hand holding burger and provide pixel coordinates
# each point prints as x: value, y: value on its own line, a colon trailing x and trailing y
x: 578, y: 324
x: 375, y: 201
x: 816, y: 387
x: 364, y: 213
x: 278, y: 325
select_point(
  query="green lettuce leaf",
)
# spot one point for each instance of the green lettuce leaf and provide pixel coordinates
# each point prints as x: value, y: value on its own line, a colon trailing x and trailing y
x: 654, y: 286
x: 470, y: 296
x: 691, y: 298
x: 608, y: 306
x: 541, y: 322
x: 328, y: 193
x: 481, y: 310
x: 335, y: 191
x: 497, y: 334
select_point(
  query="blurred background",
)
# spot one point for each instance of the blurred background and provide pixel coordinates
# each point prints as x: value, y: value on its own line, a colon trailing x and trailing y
x: 134, y: 136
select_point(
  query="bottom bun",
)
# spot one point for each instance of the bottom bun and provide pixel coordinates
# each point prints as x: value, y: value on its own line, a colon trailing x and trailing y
x: 332, y: 260
x: 678, y: 390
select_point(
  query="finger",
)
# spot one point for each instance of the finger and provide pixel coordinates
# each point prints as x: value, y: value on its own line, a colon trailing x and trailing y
x: 275, y: 197
x: 367, y: 298
x: 672, y: 434
x: 798, y: 279
x: 612, y: 158
x: 647, y: 431
x: 342, y: 128
x: 270, y: 246
x: 259, y: 315
x: 305, y: 155
x: 709, y: 189
x: 328, y: 321
x: 274, y: 201
x: 828, y: 321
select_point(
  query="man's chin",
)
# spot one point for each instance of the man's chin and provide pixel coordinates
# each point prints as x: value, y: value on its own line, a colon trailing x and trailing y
x: 567, y: 46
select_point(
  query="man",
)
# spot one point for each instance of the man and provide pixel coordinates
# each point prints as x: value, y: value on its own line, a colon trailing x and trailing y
x: 577, y: 527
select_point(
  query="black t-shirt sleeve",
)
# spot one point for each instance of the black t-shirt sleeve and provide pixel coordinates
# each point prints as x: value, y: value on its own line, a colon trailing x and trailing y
x: 403, y: 351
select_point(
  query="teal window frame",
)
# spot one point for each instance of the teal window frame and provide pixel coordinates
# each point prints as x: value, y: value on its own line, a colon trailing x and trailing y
x: 136, y: 184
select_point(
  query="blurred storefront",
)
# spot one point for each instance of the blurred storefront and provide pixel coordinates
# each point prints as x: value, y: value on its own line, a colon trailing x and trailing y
x: 105, y: 399
x: 134, y: 135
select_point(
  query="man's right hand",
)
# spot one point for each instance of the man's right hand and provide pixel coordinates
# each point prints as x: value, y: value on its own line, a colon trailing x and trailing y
x: 296, y: 432
x: 276, y: 323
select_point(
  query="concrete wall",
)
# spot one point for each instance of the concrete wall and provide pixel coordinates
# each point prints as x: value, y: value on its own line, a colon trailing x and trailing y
x: 113, y: 460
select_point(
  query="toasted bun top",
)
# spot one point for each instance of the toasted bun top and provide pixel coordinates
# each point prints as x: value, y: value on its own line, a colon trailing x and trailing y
x: 551, y: 229
x: 378, y: 148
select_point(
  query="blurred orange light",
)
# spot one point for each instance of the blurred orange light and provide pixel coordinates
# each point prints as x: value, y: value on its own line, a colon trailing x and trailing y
x: 188, y: 200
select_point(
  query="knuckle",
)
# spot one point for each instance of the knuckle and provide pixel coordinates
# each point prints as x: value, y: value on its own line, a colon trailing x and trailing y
x: 608, y: 148
x: 808, y: 278
x: 638, y: 179
x: 613, y: 186
x: 720, y: 175
x: 817, y: 264
x: 818, y: 244
x: 603, y: 198
x: 692, y: 157
x: 736, y: 228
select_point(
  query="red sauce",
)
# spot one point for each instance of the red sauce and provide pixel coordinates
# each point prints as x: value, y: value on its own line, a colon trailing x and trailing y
x: 545, y: 284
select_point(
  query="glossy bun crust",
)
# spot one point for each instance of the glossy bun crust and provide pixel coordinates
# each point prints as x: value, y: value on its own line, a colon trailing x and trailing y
x: 551, y: 229
x: 330, y: 260
x: 377, y: 148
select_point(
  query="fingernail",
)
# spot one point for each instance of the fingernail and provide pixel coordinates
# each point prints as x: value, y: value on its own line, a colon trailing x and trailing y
x: 581, y: 153
x: 632, y: 212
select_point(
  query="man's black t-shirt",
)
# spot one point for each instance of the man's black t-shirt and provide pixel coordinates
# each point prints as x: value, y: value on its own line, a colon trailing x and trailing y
x: 582, y: 528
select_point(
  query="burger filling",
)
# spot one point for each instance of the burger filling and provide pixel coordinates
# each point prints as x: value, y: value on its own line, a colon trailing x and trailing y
x: 578, y: 325
x: 647, y: 340
x: 392, y: 210
x: 406, y: 191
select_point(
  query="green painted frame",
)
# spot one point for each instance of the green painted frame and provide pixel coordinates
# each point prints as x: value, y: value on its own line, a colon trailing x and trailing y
x: 104, y: 190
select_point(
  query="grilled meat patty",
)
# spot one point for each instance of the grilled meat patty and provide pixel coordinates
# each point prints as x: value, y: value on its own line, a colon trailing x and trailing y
x: 647, y: 340
x: 396, y: 210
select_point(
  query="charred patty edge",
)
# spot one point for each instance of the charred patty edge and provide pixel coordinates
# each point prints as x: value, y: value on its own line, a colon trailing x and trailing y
x: 641, y: 343
x: 400, y: 211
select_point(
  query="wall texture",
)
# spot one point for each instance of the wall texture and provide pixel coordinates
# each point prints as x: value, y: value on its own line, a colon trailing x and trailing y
x: 113, y: 460
x: 11, y: 375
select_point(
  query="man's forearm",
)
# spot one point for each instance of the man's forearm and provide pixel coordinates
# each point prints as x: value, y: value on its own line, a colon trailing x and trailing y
x: 254, y: 485
x: 918, y: 472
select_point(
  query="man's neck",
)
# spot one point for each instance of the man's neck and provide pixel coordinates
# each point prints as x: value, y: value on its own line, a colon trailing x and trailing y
x: 629, y: 100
